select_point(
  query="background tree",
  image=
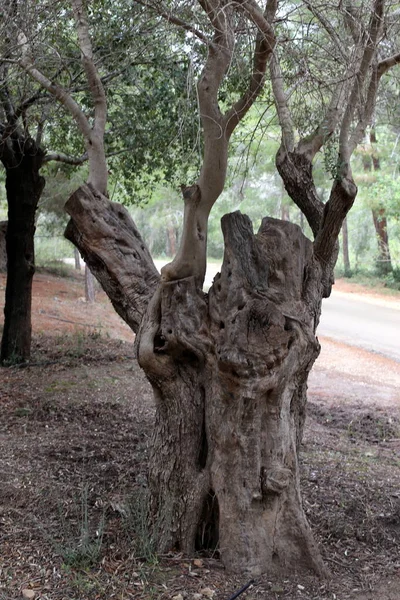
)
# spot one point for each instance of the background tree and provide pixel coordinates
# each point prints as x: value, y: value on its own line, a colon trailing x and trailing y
x: 229, y: 369
x: 32, y: 122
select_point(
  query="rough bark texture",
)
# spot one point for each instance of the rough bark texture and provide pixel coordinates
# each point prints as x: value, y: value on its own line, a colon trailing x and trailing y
x: 22, y: 160
x: 111, y: 245
x: 230, y: 372
x: 295, y: 169
x: 325, y: 220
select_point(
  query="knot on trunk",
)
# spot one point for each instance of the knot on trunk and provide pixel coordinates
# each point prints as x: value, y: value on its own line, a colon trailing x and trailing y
x: 183, y: 334
x: 191, y: 193
x: 275, y: 480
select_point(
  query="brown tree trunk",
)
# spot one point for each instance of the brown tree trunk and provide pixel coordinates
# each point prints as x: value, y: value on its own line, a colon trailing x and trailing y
x: 90, y: 295
x: 22, y: 160
x: 345, y: 249
x: 229, y: 371
x: 384, y: 262
x: 77, y: 258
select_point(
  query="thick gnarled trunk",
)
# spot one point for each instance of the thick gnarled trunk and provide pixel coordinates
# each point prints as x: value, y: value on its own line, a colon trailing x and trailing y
x: 229, y: 372
x: 22, y: 161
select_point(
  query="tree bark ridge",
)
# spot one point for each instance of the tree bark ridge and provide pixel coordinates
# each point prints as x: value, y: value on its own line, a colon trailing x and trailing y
x: 111, y: 245
x: 229, y: 371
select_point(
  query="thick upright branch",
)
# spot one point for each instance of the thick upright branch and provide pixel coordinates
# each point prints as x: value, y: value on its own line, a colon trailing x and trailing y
x: 368, y: 106
x: 217, y: 128
x: 199, y: 199
x: 344, y: 190
x: 111, y: 245
x: 213, y: 172
x: 92, y: 74
x: 281, y: 104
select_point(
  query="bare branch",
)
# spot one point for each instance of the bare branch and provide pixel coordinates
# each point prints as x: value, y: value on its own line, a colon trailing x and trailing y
x: 56, y: 90
x: 281, y: 103
x: 64, y: 158
x: 387, y: 64
x: 176, y: 21
x: 92, y: 74
x: 369, y: 51
x: 330, y: 29
x: 264, y: 47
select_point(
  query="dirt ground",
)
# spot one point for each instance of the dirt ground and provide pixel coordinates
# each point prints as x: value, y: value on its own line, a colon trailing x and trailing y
x: 74, y: 435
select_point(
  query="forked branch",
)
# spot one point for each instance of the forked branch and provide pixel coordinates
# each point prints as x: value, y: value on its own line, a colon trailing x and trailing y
x: 264, y: 48
x: 218, y: 127
x: 93, y: 134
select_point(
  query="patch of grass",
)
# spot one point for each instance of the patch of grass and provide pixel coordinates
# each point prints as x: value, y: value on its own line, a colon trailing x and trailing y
x: 22, y: 411
x: 77, y: 344
x: 60, y: 386
x: 57, y: 268
x: 13, y: 360
x: 83, y: 582
x: 81, y: 547
x: 382, y: 283
x: 143, y: 536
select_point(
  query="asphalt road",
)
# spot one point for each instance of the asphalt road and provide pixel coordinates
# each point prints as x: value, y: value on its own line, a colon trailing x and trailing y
x: 359, y: 322
x: 362, y: 323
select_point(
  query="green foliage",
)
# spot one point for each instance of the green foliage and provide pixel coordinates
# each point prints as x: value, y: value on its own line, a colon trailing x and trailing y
x: 330, y: 154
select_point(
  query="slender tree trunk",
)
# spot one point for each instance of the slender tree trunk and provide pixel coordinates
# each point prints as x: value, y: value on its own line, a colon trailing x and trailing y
x: 285, y: 212
x: 384, y: 262
x: 345, y: 249
x: 171, y: 235
x: 90, y: 295
x: 77, y: 258
x: 24, y: 187
x: 229, y: 372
